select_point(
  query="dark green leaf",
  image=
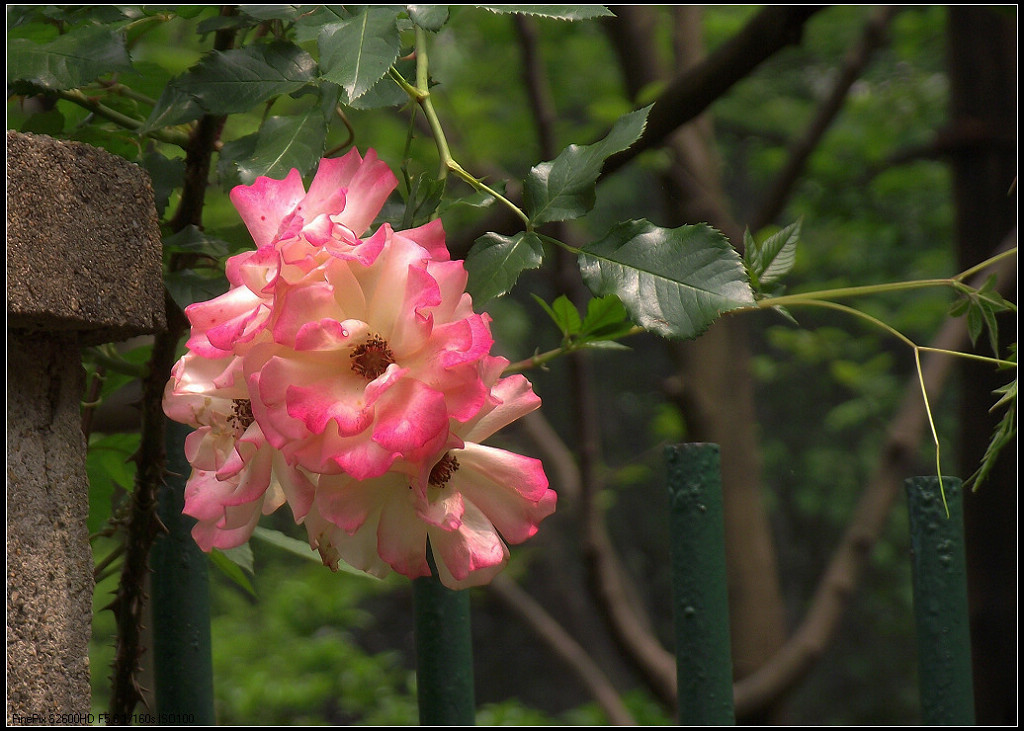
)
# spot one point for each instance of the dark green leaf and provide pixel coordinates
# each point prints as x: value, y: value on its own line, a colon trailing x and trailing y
x: 231, y: 154
x: 424, y: 198
x: 236, y: 564
x: 225, y: 82
x: 225, y: 22
x: 564, y: 188
x: 190, y: 240
x: 109, y: 467
x: 559, y: 12
x: 357, y: 52
x: 675, y: 282
x: 188, y: 286
x: 991, y: 326
x: 495, y: 263
x: 284, y: 143
x: 70, y: 60
x: 960, y: 307
x: 50, y: 122
x: 428, y: 17
x: 975, y: 322
x: 309, y: 25
x: 175, y: 106
x: 167, y: 174
x: 274, y: 12
x: 1004, y: 434
x: 385, y: 93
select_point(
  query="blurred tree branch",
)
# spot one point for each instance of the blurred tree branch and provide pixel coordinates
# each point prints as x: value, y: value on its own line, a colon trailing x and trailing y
x: 857, y: 57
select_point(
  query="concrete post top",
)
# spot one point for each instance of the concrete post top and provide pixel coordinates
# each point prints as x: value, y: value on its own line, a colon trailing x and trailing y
x: 83, y: 242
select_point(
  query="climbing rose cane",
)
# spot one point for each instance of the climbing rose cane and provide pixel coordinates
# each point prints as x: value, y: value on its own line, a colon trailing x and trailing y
x: 337, y: 369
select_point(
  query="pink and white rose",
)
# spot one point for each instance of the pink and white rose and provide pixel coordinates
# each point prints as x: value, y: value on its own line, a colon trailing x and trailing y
x: 350, y: 378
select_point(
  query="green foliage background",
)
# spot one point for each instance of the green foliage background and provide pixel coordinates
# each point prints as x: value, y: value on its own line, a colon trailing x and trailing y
x: 311, y: 647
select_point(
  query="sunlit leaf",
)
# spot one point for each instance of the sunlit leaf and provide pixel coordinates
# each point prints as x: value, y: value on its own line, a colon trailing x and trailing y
x: 69, y: 61
x: 428, y: 17
x: 284, y: 143
x: 239, y: 79
x: 675, y: 282
x: 356, y: 53
x: 559, y: 12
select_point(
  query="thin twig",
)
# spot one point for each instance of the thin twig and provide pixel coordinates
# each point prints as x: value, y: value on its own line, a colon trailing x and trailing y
x: 564, y: 646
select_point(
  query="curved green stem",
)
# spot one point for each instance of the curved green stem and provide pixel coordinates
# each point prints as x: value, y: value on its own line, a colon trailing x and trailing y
x: 970, y: 356
x: 420, y: 93
x: 1012, y: 251
x: 565, y: 348
x: 931, y: 424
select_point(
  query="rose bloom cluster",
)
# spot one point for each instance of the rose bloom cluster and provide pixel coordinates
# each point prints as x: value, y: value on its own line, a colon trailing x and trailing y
x: 350, y: 378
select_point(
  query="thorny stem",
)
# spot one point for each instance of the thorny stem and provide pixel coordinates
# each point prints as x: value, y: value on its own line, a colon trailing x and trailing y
x: 75, y: 96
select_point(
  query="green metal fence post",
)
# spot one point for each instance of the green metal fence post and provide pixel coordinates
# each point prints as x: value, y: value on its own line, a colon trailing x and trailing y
x: 699, y: 594
x: 940, y: 601
x: 180, y: 600
x: 444, y: 653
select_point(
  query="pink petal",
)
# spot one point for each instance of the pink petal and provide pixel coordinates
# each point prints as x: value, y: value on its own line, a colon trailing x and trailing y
x: 402, y: 537
x: 471, y: 555
x: 515, y: 398
x: 266, y: 204
x: 411, y: 419
x: 510, y: 489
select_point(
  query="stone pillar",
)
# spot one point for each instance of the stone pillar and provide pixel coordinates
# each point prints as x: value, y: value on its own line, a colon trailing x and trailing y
x: 83, y: 267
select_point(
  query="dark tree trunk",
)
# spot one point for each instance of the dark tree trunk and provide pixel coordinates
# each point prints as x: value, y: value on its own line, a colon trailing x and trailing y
x: 982, y: 69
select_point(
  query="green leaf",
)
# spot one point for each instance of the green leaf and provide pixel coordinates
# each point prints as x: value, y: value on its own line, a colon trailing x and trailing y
x: 191, y: 240
x: 559, y: 12
x: 1004, y: 434
x: 357, y: 52
x: 424, y: 198
x: 675, y: 282
x: 975, y: 322
x: 284, y: 143
x: 273, y: 12
x: 299, y: 548
x: 167, y: 174
x: 50, y: 122
x: 495, y: 263
x: 236, y: 564
x: 428, y: 17
x: 70, y: 60
x: 187, y: 286
x: 175, y: 106
x: 563, y: 312
x: 775, y: 256
x: 564, y: 188
x: 224, y: 82
x: 606, y: 319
